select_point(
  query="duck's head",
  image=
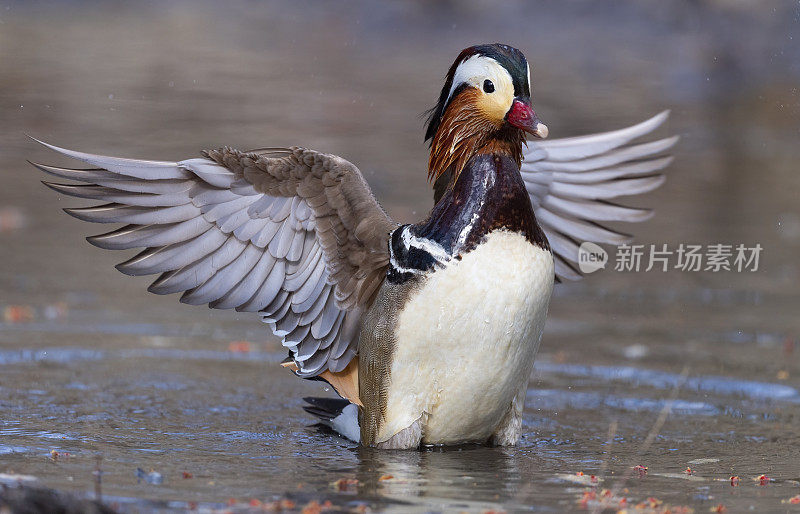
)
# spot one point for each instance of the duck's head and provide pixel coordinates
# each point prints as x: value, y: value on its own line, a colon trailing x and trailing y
x: 484, y: 106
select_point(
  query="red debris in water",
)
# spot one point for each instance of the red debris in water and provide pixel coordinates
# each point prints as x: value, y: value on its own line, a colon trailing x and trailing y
x: 718, y: 508
x: 187, y: 475
x: 763, y: 480
x: 314, y: 507
x: 579, y: 474
x: 18, y: 313
x: 795, y: 500
x: 689, y: 471
x: 345, y: 484
x: 587, y: 497
x: 55, y: 455
x: 239, y: 347
x: 654, y: 502
x: 641, y: 470
x: 593, y: 479
x: 255, y: 502
x: 386, y: 477
x: 734, y: 481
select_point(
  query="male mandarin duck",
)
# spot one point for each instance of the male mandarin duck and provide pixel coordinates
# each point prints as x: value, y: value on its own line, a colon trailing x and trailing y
x: 428, y: 331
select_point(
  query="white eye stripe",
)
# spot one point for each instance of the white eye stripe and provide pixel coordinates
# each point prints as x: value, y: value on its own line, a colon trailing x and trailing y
x: 475, y: 70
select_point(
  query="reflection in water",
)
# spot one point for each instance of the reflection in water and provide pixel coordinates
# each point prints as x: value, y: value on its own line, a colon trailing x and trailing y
x: 469, y: 476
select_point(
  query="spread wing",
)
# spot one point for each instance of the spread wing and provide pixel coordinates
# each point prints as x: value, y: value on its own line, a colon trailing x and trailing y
x: 572, y: 181
x: 292, y: 234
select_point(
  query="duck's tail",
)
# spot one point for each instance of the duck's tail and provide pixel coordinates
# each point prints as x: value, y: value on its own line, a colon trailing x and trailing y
x: 338, y: 414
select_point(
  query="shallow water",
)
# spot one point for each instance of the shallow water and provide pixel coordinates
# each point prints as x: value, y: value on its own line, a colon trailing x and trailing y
x: 92, y: 366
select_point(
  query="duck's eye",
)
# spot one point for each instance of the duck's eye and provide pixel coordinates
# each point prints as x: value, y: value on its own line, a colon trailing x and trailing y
x: 488, y: 87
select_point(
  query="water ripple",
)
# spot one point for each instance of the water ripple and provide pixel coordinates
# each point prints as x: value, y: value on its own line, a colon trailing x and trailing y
x: 558, y: 399
x: 68, y: 355
x: 665, y: 380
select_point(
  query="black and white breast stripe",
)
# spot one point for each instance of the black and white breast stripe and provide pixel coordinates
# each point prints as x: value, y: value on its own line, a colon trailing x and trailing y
x: 410, y: 254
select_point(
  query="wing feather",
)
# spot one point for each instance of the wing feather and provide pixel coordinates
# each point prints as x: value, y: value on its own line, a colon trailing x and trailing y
x: 290, y: 233
x: 572, y: 148
x: 248, y: 286
x: 149, y: 170
x: 226, y: 278
x: 167, y: 258
x: 137, y: 199
x: 142, y: 236
x: 570, y: 182
x: 269, y: 290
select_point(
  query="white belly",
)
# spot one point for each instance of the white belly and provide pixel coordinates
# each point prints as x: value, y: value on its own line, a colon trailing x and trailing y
x: 467, y: 339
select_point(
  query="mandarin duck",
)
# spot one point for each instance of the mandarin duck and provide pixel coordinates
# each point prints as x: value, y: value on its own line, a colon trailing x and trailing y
x: 427, y: 331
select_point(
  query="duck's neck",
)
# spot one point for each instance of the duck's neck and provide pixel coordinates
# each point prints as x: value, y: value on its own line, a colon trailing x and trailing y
x: 463, y: 134
x: 489, y: 194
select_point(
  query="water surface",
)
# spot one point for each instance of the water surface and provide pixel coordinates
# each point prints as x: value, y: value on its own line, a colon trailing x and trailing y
x: 92, y: 366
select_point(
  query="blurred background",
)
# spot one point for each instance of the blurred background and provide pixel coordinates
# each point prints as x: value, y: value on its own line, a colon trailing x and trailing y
x: 91, y: 365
